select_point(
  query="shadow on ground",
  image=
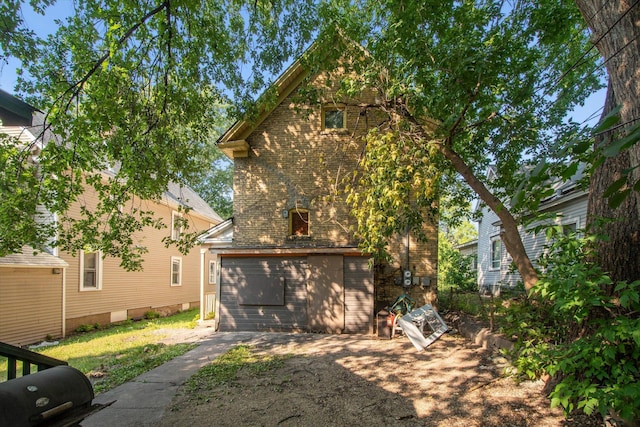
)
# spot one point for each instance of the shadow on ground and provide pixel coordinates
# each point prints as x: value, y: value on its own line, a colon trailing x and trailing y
x: 355, y: 380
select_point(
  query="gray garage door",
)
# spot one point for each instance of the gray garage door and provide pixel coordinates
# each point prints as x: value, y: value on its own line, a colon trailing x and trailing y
x: 271, y: 294
x: 263, y: 294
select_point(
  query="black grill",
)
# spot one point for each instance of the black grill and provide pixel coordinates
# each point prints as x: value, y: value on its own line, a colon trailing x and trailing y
x: 58, y: 396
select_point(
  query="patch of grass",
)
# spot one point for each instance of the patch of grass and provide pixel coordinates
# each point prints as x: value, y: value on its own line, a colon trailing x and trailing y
x: 119, y: 353
x: 135, y: 362
x: 225, y: 369
x: 467, y: 302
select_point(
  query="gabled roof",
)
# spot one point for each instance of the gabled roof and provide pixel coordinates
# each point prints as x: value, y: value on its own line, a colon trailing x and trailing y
x: 185, y: 195
x: 563, y: 190
x: 233, y: 142
x: 466, y: 245
x: 221, y: 234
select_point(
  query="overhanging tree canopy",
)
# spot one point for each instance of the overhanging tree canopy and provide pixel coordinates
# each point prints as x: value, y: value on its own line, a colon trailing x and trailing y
x: 133, y: 86
x: 137, y: 87
x: 493, y: 81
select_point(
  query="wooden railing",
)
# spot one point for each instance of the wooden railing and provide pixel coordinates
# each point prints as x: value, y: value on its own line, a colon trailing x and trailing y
x: 28, y: 358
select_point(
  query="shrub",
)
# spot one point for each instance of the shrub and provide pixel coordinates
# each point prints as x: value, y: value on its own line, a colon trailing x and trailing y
x: 84, y: 328
x: 583, y: 331
x: 455, y: 270
x: 151, y: 314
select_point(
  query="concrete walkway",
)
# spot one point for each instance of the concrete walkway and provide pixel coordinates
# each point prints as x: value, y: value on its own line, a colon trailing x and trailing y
x: 143, y: 400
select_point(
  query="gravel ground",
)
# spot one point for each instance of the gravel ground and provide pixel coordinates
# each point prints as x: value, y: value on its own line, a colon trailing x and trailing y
x: 360, y: 380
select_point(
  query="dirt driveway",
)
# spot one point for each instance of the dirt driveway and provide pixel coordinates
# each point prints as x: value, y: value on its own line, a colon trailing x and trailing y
x: 354, y: 380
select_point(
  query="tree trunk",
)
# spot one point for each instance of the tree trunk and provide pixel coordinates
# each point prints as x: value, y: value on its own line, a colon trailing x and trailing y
x: 616, y: 33
x: 619, y: 254
x: 510, y: 235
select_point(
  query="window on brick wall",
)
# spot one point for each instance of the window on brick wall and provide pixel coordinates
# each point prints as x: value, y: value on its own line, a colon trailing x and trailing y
x: 334, y: 117
x: 298, y: 222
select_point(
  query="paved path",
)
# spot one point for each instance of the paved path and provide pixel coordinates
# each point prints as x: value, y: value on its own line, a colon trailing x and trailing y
x: 143, y: 400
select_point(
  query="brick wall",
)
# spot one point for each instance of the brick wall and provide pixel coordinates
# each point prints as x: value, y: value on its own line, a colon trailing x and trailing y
x: 292, y: 163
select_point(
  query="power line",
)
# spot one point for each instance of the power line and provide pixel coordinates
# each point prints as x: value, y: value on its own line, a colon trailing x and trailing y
x: 595, y: 43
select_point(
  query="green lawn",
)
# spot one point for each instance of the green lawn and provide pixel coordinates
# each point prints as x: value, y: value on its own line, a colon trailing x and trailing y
x: 117, y: 354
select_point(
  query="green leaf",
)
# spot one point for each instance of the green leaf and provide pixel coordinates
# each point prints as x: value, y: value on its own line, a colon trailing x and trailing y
x: 581, y: 146
x: 615, y: 147
x: 609, y: 121
x: 615, y: 186
x: 616, y: 200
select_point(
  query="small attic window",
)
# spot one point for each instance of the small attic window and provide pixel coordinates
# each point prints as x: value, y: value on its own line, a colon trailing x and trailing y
x: 334, y: 117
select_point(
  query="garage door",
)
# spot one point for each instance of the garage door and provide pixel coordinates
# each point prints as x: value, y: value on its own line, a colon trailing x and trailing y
x: 263, y: 294
x: 358, y: 295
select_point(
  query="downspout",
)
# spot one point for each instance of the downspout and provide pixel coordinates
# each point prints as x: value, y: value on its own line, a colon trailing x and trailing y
x: 64, y: 301
x: 216, y: 322
x: 202, y: 301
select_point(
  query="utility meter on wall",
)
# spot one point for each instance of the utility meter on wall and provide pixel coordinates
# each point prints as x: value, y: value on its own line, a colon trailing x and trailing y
x: 407, y: 278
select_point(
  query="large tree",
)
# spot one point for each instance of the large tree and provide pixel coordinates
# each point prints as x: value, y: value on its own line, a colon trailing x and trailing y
x: 465, y: 84
x: 134, y: 87
x: 616, y: 35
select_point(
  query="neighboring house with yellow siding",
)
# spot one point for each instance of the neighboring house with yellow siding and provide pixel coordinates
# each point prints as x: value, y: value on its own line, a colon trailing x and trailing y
x: 31, y: 297
x: 99, y: 291
x: 51, y: 294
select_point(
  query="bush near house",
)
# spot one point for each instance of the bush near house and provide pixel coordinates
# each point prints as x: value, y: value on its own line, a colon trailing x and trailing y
x: 455, y: 270
x: 582, y: 330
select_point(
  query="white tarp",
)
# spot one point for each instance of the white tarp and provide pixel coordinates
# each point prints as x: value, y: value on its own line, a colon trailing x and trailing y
x: 414, y: 322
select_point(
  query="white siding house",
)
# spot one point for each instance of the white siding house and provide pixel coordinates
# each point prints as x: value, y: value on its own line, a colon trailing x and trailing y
x: 495, y: 267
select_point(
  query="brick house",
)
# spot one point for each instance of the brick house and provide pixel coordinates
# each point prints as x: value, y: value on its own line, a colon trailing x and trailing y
x: 290, y: 261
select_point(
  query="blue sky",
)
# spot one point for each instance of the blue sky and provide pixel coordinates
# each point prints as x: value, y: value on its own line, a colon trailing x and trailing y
x: 45, y: 25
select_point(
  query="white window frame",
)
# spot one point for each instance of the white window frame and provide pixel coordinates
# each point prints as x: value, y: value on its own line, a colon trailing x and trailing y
x: 213, y: 272
x: 174, y: 260
x: 176, y: 232
x: 492, y: 258
x: 570, y: 221
x: 98, y: 271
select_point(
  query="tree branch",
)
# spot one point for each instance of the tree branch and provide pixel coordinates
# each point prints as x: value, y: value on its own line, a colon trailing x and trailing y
x: 77, y: 87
